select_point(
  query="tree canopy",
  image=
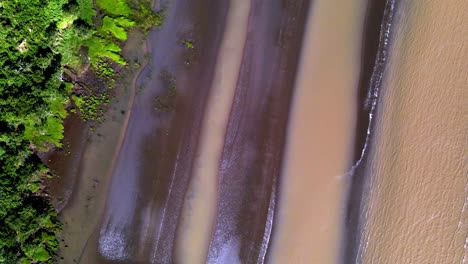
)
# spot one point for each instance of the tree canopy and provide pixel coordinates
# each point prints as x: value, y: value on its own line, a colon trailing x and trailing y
x: 37, y: 38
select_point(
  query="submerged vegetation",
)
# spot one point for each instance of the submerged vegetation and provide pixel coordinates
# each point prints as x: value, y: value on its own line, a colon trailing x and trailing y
x: 40, y: 42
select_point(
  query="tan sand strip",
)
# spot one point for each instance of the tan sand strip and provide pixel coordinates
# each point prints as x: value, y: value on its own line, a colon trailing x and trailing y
x: 199, y: 210
x: 320, y: 137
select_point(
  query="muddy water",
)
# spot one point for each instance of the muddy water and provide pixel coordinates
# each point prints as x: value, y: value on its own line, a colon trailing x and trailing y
x: 418, y: 201
x: 200, y: 203
x: 320, y: 137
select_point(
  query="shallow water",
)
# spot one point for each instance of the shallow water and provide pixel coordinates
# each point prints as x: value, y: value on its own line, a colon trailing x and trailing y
x: 418, y: 194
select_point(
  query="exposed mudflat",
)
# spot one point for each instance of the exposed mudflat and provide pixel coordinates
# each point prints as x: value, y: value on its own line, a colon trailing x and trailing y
x: 154, y: 164
x: 84, y: 165
x: 66, y: 161
x: 248, y: 137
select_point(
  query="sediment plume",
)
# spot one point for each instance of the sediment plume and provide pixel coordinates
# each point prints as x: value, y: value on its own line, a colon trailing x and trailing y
x: 418, y: 192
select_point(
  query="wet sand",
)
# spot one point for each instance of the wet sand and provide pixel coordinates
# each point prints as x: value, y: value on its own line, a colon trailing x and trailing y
x: 254, y: 140
x: 253, y: 145
x: 377, y: 39
x: 154, y: 164
x: 151, y: 177
x: 199, y: 209
x: 163, y: 148
x: 417, y: 210
x: 320, y: 136
x: 80, y: 214
x: 64, y: 162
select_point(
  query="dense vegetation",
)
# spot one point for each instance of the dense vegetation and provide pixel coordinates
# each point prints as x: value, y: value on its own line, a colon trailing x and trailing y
x: 102, y: 29
x: 32, y: 100
x: 37, y: 39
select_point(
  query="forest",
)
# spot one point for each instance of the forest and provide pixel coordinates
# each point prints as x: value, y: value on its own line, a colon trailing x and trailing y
x: 40, y: 40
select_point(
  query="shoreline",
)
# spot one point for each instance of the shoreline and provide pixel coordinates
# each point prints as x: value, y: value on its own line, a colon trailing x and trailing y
x: 355, y: 197
x: 154, y: 164
x: 418, y: 163
x: 84, y: 199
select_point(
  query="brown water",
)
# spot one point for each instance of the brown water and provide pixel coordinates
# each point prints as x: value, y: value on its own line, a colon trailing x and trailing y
x: 320, y: 137
x: 417, y: 210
